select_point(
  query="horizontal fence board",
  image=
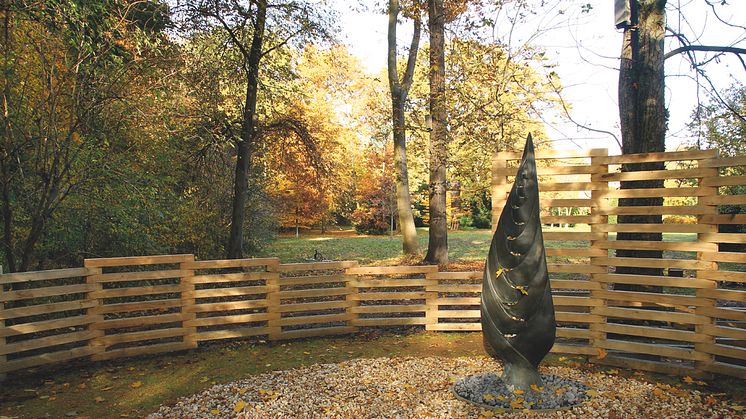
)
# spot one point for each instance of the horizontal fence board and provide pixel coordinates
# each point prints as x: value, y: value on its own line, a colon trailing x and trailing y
x: 316, y: 266
x: 573, y: 284
x: 324, y: 305
x: 369, y: 296
x: 320, y: 292
x: 47, y: 341
x: 389, y: 308
x: 138, y: 276
x: 456, y: 288
x: 47, y: 325
x: 720, y: 294
x: 723, y: 350
x: 137, y: 260
x: 575, y: 268
x: 652, y: 175
x: 385, y: 283
x: 223, y: 320
x: 457, y: 301
x: 562, y: 316
x: 452, y: 314
x: 229, y: 291
x: 227, y: 306
x: 662, y: 281
x: 390, y: 321
x: 553, y: 170
x: 455, y: 327
x: 564, y: 300
x: 137, y: 321
x: 314, y: 319
x: 573, y: 333
x: 128, y: 337
x: 723, y: 313
x: 45, y: 292
x: 723, y: 162
x: 722, y: 276
x: 565, y: 202
x: 136, y: 291
x: 230, y: 263
x: 44, y: 359
x: 723, y: 219
x: 652, y: 349
x: 662, y: 156
x: 649, y: 297
x: 652, y: 332
x: 43, y: 275
x: 648, y: 245
x: 232, y: 333
x: 647, y: 365
x: 731, y: 257
x: 724, y: 331
x: 653, y: 228
x: 572, y: 235
x: 656, y: 263
x: 553, y: 154
x: 575, y: 252
x: 654, y: 315
x: 138, y: 306
x: 651, y: 193
x: 723, y: 200
x: 12, y: 313
x: 314, y: 280
x: 570, y: 219
x: 455, y: 275
x: 233, y: 277
x: 142, y: 350
x: 724, y: 181
x: 392, y: 270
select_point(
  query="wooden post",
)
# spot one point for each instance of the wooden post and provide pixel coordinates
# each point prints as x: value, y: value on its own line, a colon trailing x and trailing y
x: 431, y: 300
x: 95, y: 343
x: 599, y: 209
x: 188, y: 292
x: 499, y: 186
x: 273, y: 301
x: 351, y: 298
x: 3, y: 358
x: 706, y: 302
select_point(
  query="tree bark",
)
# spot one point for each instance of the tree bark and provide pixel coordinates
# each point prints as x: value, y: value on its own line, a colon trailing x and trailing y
x: 399, y: 93
x: 643, y: 120
x: 437, y: 248
x: 8, y: 244
x: 245, y: 145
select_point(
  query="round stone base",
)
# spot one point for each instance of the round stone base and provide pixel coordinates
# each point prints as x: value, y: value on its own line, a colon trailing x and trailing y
x: 489, y: 391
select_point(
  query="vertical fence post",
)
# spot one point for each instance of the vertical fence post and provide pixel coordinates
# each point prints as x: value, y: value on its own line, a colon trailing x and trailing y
x: 708, y: 209
x: 3, y: 358
x: 188, y: 301
x: 599, y: 209
x: 499, y: 186
x: 431, y: 300
x: 274, y: 331
x: 351, y: 298
x: 96, y: 326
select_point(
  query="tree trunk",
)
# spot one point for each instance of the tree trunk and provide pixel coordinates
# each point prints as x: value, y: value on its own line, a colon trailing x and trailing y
x: 437, y: 248
x: 399, y: 92
x: 643, y: 120
x: 245, y: 145
x: 5, y: 157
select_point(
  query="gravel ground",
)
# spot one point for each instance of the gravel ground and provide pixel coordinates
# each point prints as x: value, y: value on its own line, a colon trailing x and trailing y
x: 421, y: 387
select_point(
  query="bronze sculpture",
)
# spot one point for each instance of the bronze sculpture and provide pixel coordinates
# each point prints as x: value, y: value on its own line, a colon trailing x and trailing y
x: 516, y: 308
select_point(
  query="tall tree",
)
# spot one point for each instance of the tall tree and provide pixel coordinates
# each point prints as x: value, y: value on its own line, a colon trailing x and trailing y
x: 437, y: 247
x: 255, y: 29
x: 399, y: 92
x: 642, y: 115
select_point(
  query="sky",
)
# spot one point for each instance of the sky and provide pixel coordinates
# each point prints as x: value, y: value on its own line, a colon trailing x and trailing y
x: 585, y: 47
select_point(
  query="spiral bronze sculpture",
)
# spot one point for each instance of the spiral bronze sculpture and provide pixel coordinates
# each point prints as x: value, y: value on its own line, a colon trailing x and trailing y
x: 517, y: 310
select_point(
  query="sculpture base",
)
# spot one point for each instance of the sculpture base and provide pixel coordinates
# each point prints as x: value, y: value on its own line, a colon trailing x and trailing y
x: 489, y: 391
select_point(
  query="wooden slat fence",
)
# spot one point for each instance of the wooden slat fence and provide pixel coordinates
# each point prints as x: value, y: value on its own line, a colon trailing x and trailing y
x: 693, y: 323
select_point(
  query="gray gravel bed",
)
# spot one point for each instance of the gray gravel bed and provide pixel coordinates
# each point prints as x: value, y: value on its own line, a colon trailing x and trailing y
x: 421, y: 388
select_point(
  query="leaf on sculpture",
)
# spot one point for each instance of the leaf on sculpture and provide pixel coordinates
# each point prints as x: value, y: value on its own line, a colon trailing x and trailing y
x: 517, y: 310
